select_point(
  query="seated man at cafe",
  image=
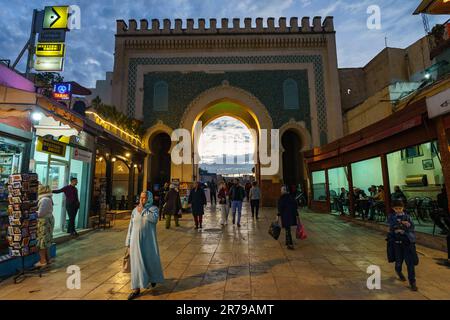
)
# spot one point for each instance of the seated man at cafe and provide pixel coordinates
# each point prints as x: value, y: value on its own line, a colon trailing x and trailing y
x: 378, y: 202
x: 342, y: 200
x: 398, y: 195
x: 361, y: 202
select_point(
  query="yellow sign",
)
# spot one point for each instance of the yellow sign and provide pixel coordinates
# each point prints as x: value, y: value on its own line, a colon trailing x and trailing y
x: 50, y: 49
x: 51, y: 147
x: 56, y: 17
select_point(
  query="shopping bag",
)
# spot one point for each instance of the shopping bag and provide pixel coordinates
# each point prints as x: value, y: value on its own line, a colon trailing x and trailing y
x: 126, y: 262
x: 300, y: 232
x: 275, y: 230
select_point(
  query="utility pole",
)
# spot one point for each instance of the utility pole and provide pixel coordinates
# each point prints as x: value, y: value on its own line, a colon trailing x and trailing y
x: 31, y: 44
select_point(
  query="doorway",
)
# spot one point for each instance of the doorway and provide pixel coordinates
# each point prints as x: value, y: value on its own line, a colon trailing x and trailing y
x: 292, y: 160
x: 160, y: 159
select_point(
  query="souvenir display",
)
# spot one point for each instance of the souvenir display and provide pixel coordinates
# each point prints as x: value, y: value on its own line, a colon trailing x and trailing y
x: 22, y: 230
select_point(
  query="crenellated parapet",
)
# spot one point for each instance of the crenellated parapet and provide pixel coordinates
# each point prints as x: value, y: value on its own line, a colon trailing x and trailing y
x: 227, y: 26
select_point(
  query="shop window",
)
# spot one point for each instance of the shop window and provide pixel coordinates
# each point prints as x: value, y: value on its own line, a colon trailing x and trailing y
x: 367, y: 173
x: 161, y: 96
x: 290, y: 93
x: 319, y: 186
x: 337, y: 179
x: 418, y: 180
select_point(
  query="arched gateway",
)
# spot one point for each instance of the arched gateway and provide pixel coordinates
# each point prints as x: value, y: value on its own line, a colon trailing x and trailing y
x: 268, y: 77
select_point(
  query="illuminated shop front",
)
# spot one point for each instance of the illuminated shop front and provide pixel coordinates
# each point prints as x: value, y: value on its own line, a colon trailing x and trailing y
x: 61, y: 153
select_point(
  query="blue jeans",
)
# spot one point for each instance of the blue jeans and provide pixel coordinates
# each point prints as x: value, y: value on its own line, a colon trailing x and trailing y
x: 236, y: 205
x: 405, y: 253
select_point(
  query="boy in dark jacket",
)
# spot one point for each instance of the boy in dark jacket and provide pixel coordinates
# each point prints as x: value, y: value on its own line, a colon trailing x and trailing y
x: 401, y: 229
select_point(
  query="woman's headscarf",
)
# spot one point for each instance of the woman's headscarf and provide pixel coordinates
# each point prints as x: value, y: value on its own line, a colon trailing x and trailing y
x: 149, y: 202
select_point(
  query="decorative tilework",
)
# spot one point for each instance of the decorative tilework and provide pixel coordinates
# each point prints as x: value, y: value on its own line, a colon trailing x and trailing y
x: 316, y: 60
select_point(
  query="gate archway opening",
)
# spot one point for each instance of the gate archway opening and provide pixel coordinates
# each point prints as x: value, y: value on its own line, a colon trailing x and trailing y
x: 227, y: 148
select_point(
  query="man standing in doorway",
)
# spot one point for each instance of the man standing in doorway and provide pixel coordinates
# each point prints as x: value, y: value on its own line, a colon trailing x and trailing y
x: 72, y: 203
x: 237, y: 194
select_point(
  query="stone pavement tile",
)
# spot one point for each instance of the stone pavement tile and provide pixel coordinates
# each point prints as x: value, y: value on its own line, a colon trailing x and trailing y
x: 238, y: 283
x: 103, y: 291
x: 86, y: 287
x: 119, y: 278
x: 188, y: 285
x: 221, y: 258
x: 237, y: 295
x: 209, y: 248
x: 195, y: 271
x: 202, y: 259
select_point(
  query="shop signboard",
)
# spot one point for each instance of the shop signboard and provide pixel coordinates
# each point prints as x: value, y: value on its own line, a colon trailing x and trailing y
x: 51, y: 147
x: 48, y: 64
x: 50, y: 49
x: 52, y: 36
x: 82, y: 155
x: 438, y: 104
x: 62, y: 91
x: 56, y: 17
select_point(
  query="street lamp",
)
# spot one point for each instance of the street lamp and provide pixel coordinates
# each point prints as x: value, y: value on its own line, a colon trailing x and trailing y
x: 36, y: 116
x: 113, y: 159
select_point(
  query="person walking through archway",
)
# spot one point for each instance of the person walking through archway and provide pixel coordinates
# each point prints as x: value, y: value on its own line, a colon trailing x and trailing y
x: 197, y: 200
x: 172, y: 205
x: 288, y: 214
x: 255, y: 197
x: 237, y: 194
x: 224, y: 203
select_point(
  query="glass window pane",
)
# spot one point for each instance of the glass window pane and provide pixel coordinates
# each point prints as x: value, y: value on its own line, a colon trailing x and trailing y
x: 337, y: 179
x: 367, y: 173
x: 319, y: 186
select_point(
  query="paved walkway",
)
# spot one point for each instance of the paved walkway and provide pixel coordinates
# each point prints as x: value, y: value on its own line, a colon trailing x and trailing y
x: 243, y: 263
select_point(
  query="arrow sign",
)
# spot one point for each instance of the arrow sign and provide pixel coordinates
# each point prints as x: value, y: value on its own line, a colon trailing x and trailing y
x: 56, y: 17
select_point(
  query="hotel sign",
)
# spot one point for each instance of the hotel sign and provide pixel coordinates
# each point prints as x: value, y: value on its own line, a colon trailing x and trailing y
x: 51, y: 147
x: 50, y: 49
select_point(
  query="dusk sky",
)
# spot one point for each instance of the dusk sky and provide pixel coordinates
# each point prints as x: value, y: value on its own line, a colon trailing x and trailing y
x: 90, y: 51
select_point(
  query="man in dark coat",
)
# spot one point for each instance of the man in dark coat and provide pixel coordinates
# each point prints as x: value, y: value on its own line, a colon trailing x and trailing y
x: 197, y: 200
x: 287, y: 211
x: 172, y: 205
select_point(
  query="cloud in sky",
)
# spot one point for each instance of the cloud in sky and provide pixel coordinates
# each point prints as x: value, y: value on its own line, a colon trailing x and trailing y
x: 90, y: 51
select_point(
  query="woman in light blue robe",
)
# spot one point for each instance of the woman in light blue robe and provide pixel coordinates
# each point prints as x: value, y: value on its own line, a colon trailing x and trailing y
x: 143, y: 246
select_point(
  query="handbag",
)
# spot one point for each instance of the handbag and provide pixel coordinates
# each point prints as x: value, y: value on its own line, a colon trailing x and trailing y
x: 300, y: 232
x: 126, y: 262
x: 275, y: 230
